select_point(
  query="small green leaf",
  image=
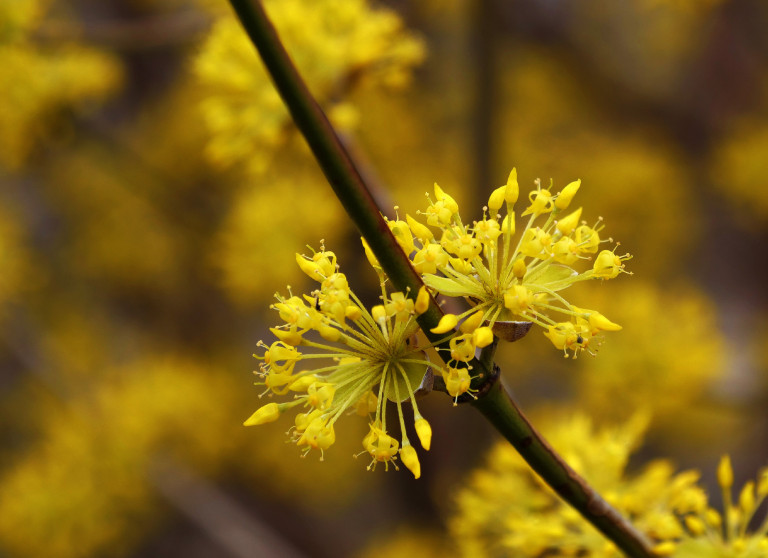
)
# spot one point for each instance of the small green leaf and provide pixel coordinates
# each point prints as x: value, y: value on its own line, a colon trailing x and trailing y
x: 415, y: 373
x: 446, y: 286
x: 554, y: 277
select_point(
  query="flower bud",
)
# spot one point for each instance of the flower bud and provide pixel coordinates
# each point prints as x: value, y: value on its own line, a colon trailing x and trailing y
x: 424, y: 432
x: 725, y: 472
x: 446, y: 324
x: 472, y: 322
x: 564, y: 198
x: 496, y: 200
x: 419, y: 230
x: 410, y: 460
x: 482, y: 337
x: 422, y: 301
x: 512, y: 190
x: 309, y: 267
x: 447, y: 200
x: 569, y: 222
x: 268, y: 413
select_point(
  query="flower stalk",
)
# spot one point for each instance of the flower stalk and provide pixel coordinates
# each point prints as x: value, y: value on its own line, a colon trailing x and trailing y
x: 492, y: 400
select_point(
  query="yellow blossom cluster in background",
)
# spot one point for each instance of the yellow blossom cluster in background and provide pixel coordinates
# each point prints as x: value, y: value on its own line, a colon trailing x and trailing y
x: 55, y: 77
x: 739, y: 167
x: 348, y: 41
x: 668, y: 354
x: 506, y: 510
x: 240, y: 245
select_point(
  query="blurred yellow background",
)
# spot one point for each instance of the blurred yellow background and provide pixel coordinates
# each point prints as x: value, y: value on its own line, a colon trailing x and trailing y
x: 153, y: 194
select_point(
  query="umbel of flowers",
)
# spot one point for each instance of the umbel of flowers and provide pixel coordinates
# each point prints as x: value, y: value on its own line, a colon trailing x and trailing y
x: 360, y: 359
x: 363, y: 358
x: 505, y: 276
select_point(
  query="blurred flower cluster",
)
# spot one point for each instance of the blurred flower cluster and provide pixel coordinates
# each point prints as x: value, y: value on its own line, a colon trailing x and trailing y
x: 506, y: 510
x: 56, y: 77
x: 348, y: 41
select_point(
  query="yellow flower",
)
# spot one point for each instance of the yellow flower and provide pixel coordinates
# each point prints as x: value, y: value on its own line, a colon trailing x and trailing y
x: 511, y: 280
x: 365, y: 358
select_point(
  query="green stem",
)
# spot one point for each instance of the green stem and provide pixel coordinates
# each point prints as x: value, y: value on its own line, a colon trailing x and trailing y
x: 499, y: 408
x: 333, y: 158
x: 492, y: 399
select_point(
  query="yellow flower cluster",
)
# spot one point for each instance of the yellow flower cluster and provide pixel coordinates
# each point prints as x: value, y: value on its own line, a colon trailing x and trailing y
x: 709, y: 533
x: 503, y: 279
x: 506, y: 510
x: 333, y: 43
x: 37, y: 80
x: 371, y: 357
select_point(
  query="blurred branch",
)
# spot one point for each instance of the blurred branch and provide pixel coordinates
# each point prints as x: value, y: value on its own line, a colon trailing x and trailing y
x: 126, y: 35
x: 485, y: 96
x: 216, y: 514
x: 492, y: 398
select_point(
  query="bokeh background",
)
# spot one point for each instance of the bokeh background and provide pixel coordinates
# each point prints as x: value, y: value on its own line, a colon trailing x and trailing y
x: 153, y: 194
